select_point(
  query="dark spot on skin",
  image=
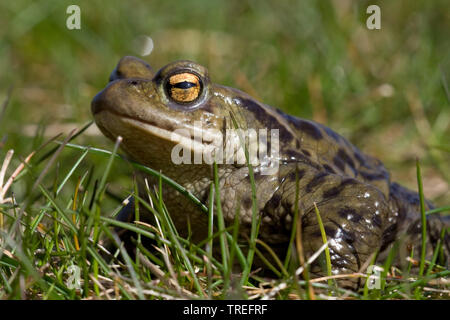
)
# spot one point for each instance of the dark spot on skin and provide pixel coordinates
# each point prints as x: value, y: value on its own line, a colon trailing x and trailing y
x: 249, y: 104
x: 259, y: 112
x: 315, y: 166
x: 339, y: 163
x: 328, y: 168
x: 316, y: 234
x: 266, y: 119
x: 285, y: 135
x: 359, y: 158
x: 348, y: 182
x: 307, y: 127
x: 345, y: 157
x: 208, y: 107
x: 331, y: 193
x: 373, y: 176
x: 274, y: 202
x: 389, y: 236
x: 355, y: 172
x: 400, y: 192
x: 292, y: 175
x: 349, y: 213
x: 343, y: 212
x: 292, y: 154
x: 376, y: 220
x: 205, y: 197
x: 330, y: 231
x: 288, y: 208
x: 348, y: 237
x: 300, y: 159
x: 306, y: 153
x: 355, y: 217
x: 317, y: 180
x: 332, y: 134
x: 335, y: 191
x: 414, y: 228
x: 247, y: 203
x: 258, y: 176
x: 338, y: 263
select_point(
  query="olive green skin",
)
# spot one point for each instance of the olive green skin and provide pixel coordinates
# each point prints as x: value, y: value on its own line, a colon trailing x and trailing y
x: 362, y: 210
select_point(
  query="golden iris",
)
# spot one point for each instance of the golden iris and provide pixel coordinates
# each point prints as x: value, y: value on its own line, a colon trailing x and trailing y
x: 184, y: 87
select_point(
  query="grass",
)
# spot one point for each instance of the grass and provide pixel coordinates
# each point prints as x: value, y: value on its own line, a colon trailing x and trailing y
x: 386, y: 91
x: 43, y: 242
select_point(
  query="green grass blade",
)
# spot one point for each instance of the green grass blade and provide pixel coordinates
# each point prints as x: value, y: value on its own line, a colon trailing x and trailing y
x: 146, y: 170
x: 294, y: 221
x: 255, y: 218
x: 325, y: 240
x: 220, y: 222
x: 423, y: 220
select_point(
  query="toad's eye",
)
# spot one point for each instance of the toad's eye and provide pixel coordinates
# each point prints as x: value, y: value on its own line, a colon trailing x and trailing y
x: 184, y: 87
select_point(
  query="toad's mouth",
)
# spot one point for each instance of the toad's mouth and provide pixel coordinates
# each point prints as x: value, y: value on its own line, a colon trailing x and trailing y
x: 114, y: 124
x: 180, y: 137
x: 187, y: 145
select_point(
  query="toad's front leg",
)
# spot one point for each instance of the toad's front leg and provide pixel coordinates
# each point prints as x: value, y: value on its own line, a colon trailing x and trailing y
x: 354, y: 215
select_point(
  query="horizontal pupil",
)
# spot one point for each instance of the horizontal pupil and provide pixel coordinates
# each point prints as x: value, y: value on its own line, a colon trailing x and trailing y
x: 184, y: 85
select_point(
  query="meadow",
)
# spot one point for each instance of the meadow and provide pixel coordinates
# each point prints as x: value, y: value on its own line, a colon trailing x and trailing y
x: 387, y: 91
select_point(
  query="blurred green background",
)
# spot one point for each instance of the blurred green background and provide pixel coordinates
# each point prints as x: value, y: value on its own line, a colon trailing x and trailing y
x: 386, y: 90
